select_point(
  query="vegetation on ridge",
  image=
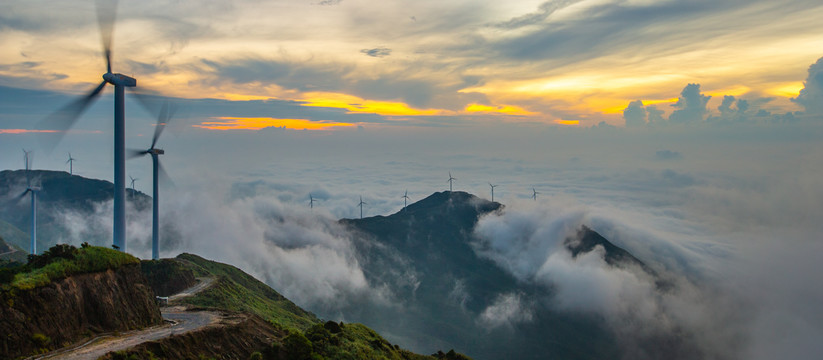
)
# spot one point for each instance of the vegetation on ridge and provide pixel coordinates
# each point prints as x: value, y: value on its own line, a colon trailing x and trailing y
x: 303, y: 335
x: 61, y: 261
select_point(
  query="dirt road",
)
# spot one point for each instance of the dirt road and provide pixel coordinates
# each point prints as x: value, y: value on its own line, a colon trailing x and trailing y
x: 178, y: 320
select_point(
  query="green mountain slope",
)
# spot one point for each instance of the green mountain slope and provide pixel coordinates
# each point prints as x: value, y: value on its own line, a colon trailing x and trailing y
x: 235, y: 290
x: 300, y: 331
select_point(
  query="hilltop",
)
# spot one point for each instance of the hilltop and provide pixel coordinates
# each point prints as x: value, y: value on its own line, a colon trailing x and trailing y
x: 426, y: 254
x: 60, y: 194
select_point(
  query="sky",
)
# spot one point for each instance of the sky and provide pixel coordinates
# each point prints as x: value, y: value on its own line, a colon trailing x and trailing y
x: 687, y: 132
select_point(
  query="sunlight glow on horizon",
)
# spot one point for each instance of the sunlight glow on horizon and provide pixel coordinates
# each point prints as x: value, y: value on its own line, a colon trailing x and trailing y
x: 25, y: 131
x: 355, y: 104
x: 240, y: 123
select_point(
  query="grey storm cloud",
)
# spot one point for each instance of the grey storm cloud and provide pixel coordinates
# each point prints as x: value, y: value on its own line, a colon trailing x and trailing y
x: 655, y: 115
x: 606, y: 28
x: 691, y: 106
x: 421, y: 93
x: 291, y: 75
x: 635, y: 114
x: 377, y: 52
x: 811, y: 96
x: 731, y: 110
x: 667, y: 155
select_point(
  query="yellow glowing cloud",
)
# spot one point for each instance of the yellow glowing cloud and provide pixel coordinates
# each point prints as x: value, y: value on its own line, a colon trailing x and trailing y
x: 355, y: 104
x: 788, y: 90
x: 733, y: 91
x: 243, y: 97
x: 567, y: 122
x: 239, y: 123
x: 503, y: 109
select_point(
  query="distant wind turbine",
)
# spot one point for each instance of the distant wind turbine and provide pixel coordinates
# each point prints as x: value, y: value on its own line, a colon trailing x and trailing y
x: 67, y: 116
x: 493, y: 186
x: 361, y: 206
x: 26, y: 157
x: 33, y: 190
x: 133, y: 191
x: 534, y: 194
x: 70, y: 161
x: 405, y: 199
x: 157, y: 171
x: 311, y: 201
x: 451, y: 179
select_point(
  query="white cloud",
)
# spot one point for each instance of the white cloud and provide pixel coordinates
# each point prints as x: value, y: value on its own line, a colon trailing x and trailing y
x: 507, y: 310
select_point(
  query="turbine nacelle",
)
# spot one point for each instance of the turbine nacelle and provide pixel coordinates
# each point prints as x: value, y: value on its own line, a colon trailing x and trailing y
x: 155, y: 152
x: 120, y: 79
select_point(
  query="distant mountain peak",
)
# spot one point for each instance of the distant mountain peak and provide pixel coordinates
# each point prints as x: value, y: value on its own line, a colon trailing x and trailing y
x: 445, y: 200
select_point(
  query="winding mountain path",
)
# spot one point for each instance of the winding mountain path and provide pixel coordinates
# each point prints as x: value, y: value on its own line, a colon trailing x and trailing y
x: 178, y: 321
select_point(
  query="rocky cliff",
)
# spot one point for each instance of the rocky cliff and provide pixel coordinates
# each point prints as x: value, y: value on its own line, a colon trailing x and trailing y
x: 67, y: 310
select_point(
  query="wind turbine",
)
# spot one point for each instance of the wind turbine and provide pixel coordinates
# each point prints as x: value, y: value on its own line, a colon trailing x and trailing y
x: 311, y: 201
x: 157, y: 171
x: 534, y: 194
x: 493, y: 186
x: 405, y: 199
x: 451, y: 179
x: 33, y: 190
x: 64, y: 118
x: 132, y: 185
x: 70, y: 161
x: 26, y: 154
x: 361, y: 206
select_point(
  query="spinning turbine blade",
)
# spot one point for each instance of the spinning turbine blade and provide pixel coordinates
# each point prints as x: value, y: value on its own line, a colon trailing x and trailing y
x: 21, y: 196
x: 134, y: 153
x: 65, y: 118
x: 164, y: 176
x: 106, y: 14
x: 162, y: 120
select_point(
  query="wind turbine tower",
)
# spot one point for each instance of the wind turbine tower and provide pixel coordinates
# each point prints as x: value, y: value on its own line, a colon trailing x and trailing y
x: 493, y: 186
x: 451, y: 179
x: 26, y: 154
x: 33, y: 190
x: 311, y: 202
x: 534, y: 194
x: 157, y: 171
x: 70, y: 161
x: 405, y: 199
x: 361, y: 206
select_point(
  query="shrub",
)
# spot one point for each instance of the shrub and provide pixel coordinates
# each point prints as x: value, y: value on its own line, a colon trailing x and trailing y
x: 256, y: 356
x: 7, y: 275
x: 41, y: 340
x: 297, y: 346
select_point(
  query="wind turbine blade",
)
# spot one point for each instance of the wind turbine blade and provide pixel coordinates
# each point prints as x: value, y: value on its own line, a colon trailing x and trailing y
x: 106, y: 13
x: 163, y: 175
x: 162, y: 120
x: 65, y: 118
x: 21, y: 196
x: 133, y: 154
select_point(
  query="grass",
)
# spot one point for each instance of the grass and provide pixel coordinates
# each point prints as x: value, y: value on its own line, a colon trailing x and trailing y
x: 238, y: 291
x: 356, y: 341
x: 87, y: 259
